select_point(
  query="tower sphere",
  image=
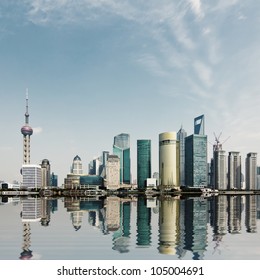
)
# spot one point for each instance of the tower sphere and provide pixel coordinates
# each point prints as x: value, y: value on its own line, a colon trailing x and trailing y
x: 26, y: 130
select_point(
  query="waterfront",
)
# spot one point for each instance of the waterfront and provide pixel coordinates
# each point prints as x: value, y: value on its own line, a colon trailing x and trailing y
x: 214, y: 228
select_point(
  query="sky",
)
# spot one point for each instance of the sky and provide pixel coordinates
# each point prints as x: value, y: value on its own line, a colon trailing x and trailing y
x: 98, y: 68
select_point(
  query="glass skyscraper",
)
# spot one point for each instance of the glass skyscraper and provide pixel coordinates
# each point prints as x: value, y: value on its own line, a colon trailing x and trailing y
x: 143, y: 162
x: 121, y: 148
x: 196, y: 174
x: 181, y: 138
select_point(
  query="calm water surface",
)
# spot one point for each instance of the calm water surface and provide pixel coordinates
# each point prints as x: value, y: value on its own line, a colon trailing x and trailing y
x: 215, y: 228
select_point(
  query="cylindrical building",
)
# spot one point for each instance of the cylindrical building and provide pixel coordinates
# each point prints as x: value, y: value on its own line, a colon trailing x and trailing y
x: 168, y: 160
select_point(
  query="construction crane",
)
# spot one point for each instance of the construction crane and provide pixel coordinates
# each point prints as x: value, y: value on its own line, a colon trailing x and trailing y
x: 217, y: 146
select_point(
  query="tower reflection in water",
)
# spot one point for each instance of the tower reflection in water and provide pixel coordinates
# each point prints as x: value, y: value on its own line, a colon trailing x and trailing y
x: 31, y: 213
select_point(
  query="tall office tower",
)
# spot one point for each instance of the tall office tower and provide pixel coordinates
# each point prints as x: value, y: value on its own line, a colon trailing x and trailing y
x: 251, y: 171
x: 54, y: 180
x: 196, y: 173
x: 143, y: 162
x: 32, y: 176
x: 77, y: 166
x: 26, y: 131
x: 112, y: 178
x: 121, y: 148
x: 46, y: 173
x: 234, y: 170
x: 169, y: 168
x: 199, y: 125
x: 219, y: 170
x: 181, y: 135
x: 196, y: 166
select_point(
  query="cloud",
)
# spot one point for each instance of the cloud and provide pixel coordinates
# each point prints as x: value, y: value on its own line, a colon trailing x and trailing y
x: 37, y: 130
x: 196, y: 8
x: 204, y: 73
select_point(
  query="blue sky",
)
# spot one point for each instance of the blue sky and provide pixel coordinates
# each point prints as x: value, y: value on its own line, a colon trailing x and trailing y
x: 97, y: 68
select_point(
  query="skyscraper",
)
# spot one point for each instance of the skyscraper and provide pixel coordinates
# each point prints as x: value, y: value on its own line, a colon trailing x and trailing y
x: 77, y: 166
x: 168, y: 160
x: 121, y: 148
x: 199, y: 125
x: 27, y: 131
x: 196, y: 169
x: 234, y: 170
x: 112, y: 179
x: 143, y: 162
x: 46, y: 173
x: 219, y: 170
x: 251, y: 171
x: 181, y: 138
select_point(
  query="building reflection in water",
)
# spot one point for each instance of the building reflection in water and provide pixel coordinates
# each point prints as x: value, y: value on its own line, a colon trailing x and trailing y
x: 183, y: 223
x: 195, y: 221
x: 218, y: 220
x: 143, y: 223
x: 169, y: 225
x: 251, y: 213
x: 234, y: 214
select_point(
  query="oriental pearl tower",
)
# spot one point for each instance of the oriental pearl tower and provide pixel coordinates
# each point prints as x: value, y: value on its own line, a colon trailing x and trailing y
x: 26, y: 131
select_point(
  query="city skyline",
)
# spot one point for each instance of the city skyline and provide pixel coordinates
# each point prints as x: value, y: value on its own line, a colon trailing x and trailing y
x: 96, y: 70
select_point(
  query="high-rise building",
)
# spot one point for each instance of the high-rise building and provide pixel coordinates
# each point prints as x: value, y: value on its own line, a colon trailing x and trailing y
x: 219, y: 170
x: 199, y: 125
x: 112, y: 178
x: 181, y: 135
x: 77, y: 166
x: 169, y: 160
x: 27, y: 131
x: 196, y: 166
x: 46, y: 173
x: 234, y: 170
x: 32, y: 176
x: 251, y: 171
x: 121, y: 148
x: 143, y: 162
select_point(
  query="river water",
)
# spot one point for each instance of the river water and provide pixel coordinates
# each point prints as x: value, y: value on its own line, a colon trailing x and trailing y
x: 222, y: 227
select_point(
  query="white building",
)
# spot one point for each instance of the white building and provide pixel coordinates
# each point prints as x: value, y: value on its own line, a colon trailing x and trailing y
x: 112, y: 178
x: 251, y: 171
x: 220, y: 171
x: 234, y: 170
x: 168, y: 160
x: 32, y: 176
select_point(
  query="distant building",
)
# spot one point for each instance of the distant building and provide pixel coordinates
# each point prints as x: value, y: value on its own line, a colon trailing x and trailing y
x: 251, y: 171
x: 196, y: 171
x: 76, y: 167
x: 181, y: 135
x: 168, y: 160
x: 143, y: 162
x: 46, y: 173
x: 234, y: 170
x: 199, y: 125
x: 219, y: 170
x: 54, y: 180
x: 32, y: 176
x: 112, y: 178
x: 121, y: 148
